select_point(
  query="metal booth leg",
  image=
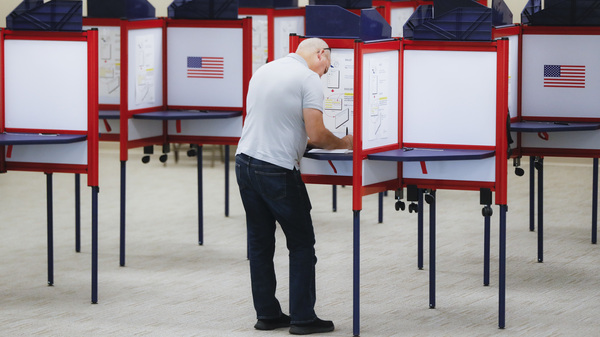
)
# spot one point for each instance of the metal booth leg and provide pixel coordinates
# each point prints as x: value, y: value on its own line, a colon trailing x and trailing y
x: 95, y: 191
x: 200, y: 200
x: 122, y: 216
x: 502, y: 268
x: 77, y: 212
x: 50, y: 234
x: 430, y: 199
x: 356, y: 274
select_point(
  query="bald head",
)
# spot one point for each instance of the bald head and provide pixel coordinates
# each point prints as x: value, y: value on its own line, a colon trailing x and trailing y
x: 316, y: 53
x: 311, y: 45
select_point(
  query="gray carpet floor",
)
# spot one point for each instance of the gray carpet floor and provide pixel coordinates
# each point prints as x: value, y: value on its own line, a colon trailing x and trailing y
x: 171, y: 286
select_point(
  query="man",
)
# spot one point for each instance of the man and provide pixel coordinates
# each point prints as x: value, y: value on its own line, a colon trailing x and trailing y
x: 284, y: 112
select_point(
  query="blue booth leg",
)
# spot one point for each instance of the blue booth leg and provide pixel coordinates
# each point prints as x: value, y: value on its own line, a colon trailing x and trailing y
x: 486, y: 250
x: 226, y: 180
x: 420, y: 235
x: 595, y: 202
x: 50, y: 236
x: 95, y: 190
x: 502, y: 269
x: 200, y: 200
x: 432, y: 235
x: 122, y: 216
x: 541, y: 209
x: 77, y: 212
x: 356, y: 274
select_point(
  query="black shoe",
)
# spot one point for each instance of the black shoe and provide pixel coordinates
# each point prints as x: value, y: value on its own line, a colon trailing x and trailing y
x: 273, y: 323
x: 317, y: 326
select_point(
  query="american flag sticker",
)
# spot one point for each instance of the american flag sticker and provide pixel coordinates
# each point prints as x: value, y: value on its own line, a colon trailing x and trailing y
x: 564, y: 76
x: 205, y: 67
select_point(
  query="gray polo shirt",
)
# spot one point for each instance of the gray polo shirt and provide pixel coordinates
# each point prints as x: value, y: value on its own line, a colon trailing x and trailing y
x: 274, y: 129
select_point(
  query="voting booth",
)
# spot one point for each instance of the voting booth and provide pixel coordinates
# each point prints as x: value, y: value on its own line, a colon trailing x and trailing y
x: 55, y: 130
x: 351, y: 168
x: 272, y: 23
x: 558, y: 98
x: 403, y: 139
x: 177, y: 90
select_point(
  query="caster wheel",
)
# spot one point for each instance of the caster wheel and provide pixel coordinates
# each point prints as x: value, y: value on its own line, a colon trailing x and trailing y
x: 519, y: 171
x: 413, y: 208
x: 191, y: 153
x: 163, y: 158
x: 400, y: 205
x: 145, y: 159
x: 487, y: 211
x: 429, y: 198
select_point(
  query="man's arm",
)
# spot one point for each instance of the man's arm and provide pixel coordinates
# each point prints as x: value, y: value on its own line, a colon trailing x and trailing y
x: 319, y: 136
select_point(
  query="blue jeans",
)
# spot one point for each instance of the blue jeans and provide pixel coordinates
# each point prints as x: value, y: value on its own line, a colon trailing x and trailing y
x: 271, y: 193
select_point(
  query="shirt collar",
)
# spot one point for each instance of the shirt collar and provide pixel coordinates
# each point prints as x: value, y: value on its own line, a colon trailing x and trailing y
x: 298, y: 58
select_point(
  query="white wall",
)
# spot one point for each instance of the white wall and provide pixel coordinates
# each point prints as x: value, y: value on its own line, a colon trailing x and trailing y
x: 7, y: 6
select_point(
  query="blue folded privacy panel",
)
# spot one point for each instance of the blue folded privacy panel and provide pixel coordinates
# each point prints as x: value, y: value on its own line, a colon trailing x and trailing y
x: 562, y: 13
x: 268, y: 3
x: 349, y: 4
x: 128, y: 9
x: 450, y: 20
x: 204, y: 9
x: 55, y: 15
x: 329, y: 21
x: 501, y: 14
x: 373, y: 26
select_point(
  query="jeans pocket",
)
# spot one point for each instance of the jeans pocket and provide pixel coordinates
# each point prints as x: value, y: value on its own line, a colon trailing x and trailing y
x: 238, y: 176
x: 272, y: 184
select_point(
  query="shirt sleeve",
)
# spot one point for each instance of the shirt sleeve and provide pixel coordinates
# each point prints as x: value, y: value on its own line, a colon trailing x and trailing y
x: 313, y: 96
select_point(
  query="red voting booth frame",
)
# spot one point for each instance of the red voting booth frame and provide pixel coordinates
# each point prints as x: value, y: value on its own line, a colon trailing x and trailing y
x: 126, y: 113
x: 91, y: 169
x: 37, y: 138
x: 167, y: 111
x: 561, y: 122
x: 500, y: 148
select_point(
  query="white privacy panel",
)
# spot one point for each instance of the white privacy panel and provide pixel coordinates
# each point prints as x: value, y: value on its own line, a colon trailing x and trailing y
x: 46, y: 84
x: 380, y: 99
x: 338, y: 90
x: 398, y: 17
x: 222, y: 127
x: 563, y: 140
x: 109, y: 64
x: 462, y: 170
x: 205, y: 66
x: 74, y: 153
x: 145, y: 68
x: 561, y: 76
x: 443, y: 88
x: 283, y: 27
x: 140, y: 128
